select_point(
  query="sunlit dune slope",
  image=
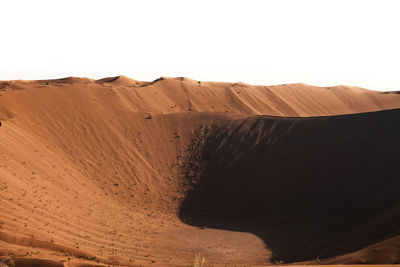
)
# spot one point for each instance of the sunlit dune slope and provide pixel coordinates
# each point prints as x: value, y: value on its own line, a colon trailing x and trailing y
x: 177, y: 95
x: 98, y: 170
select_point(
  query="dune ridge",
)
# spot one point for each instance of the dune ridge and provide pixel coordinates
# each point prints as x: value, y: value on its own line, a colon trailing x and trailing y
x: 105, y: 169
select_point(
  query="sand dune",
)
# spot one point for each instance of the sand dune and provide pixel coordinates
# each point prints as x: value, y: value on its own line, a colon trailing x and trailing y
x: 119, y: 171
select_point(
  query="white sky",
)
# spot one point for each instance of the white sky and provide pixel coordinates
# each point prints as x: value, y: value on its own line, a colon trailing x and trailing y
x: 317, y: 42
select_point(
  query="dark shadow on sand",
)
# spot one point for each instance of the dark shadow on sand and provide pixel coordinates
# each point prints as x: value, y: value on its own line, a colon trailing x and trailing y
x: 309, y: 187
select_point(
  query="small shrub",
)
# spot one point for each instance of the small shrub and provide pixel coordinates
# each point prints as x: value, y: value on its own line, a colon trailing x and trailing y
x: 198, y: 261
x: 7, y: 262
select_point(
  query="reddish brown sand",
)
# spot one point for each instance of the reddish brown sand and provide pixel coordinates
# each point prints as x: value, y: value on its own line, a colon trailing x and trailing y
x: 123, y: 172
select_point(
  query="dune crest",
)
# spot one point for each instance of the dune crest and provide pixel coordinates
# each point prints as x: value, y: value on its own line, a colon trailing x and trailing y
x: 118, y: 80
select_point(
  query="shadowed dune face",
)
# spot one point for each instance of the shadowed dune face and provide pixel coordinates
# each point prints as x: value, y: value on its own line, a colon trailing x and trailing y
x: 99, y: 171
x: 310, y: 188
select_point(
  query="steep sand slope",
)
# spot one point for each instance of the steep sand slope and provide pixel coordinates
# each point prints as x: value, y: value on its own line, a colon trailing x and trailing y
x: 96, y: 170
x: 309, y: 187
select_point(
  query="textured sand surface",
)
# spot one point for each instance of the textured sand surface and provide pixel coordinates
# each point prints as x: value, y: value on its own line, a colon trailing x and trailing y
x: 124, y: 172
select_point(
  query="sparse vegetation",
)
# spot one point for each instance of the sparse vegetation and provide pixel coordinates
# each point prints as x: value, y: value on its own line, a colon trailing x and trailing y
x: 198, y: 261
x: 7, y: 262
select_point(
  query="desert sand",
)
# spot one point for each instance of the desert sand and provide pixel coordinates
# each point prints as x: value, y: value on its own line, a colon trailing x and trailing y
x: 123, y: 172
